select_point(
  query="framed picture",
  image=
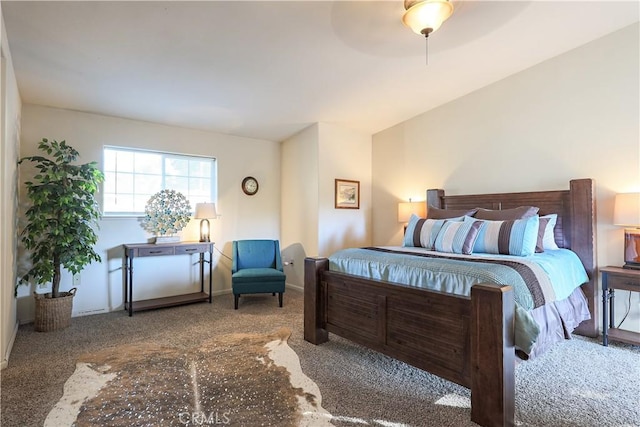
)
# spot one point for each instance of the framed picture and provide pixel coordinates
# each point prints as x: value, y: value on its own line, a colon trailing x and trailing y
x: 347, y: 194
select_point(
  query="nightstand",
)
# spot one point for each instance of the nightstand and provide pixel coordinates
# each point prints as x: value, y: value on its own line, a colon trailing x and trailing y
x: 617, y: 278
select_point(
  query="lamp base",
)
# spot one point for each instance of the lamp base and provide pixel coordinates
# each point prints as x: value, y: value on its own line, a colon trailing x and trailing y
x: 204, y: 230
x: 632, y: 248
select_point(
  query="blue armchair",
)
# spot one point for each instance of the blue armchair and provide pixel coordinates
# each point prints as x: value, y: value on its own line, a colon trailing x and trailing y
x: 257, y: 268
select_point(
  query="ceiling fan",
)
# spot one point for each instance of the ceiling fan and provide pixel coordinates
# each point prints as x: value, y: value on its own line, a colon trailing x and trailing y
x: 376, y: 27
x: 426, y: 16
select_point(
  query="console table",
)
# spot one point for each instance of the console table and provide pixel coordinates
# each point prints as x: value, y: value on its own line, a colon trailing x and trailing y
x: 139, y: 250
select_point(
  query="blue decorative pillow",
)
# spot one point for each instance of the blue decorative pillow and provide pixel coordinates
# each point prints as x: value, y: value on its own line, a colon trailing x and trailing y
x: 514, y: 237
x: 457, y: 236
x: 409, y: 232
x: 423, y: 232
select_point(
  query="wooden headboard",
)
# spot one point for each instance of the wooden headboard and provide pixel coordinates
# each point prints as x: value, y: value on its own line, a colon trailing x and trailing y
x: 575, y: 228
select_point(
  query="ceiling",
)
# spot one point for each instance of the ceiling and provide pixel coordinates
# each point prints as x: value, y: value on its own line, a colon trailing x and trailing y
x: 267, y: 70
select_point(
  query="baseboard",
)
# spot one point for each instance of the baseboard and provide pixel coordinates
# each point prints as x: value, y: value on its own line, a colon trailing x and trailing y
x: 90, y: 312
x: 296, y: 287
x: 5, y: 358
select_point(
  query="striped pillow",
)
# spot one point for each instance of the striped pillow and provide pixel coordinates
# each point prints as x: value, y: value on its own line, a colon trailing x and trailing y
x: 457, y: 236
x: 422, y: 232
x: 514, y: 237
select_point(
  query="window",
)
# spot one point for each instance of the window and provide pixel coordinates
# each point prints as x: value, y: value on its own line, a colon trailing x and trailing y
x: 132, y: 176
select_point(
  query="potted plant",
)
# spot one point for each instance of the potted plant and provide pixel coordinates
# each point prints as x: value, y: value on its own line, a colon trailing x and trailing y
x: 59, y: 233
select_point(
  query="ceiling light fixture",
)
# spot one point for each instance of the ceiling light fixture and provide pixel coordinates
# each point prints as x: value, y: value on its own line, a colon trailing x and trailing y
x: 426, y: 16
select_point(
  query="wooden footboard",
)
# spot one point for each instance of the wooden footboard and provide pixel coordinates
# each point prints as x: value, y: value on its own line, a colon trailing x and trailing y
x: 469, y: 341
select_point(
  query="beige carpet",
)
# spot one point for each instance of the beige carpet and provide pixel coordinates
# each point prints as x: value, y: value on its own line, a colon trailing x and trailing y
x: 578, y: 383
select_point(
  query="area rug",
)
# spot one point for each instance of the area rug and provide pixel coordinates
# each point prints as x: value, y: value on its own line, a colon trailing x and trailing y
x: 237, y: 379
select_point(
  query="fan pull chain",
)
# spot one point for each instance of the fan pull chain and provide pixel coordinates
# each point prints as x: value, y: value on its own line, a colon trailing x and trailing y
x: 426, y: 32
x: 426, y: 50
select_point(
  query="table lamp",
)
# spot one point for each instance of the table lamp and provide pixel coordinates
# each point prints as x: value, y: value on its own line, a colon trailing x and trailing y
x: 626, y: 212
x: 406, y: 209
x: 204, y: 211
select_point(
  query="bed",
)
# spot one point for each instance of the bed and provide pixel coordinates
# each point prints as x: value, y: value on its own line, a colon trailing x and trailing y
x: 469, y: 340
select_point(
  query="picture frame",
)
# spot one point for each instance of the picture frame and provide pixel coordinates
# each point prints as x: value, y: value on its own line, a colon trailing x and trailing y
x: 347, y: 194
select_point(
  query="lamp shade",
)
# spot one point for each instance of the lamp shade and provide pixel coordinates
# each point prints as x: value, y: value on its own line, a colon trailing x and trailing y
x: 206, y: 210
x: 426, y: 16
x: 626, y: 211
x: 405, y: 209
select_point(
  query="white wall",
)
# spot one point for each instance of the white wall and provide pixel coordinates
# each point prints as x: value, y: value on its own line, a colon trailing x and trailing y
x: 300, y: 202
x: 242, y: 216
x: 343, y: 154
x: 311, y: 226
x: 573, y: 116
x: 10, y: 106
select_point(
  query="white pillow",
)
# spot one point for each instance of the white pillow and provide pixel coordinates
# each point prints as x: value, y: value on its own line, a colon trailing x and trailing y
x: 548, y: 240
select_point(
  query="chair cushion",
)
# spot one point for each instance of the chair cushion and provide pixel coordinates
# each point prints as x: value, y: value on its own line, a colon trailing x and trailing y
x: 258, y: 280
x: 255, y: 274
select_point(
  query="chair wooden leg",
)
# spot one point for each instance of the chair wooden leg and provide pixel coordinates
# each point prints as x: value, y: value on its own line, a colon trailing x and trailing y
x: 236, y: 297
x: 274, y: 294
x: 280, y: 298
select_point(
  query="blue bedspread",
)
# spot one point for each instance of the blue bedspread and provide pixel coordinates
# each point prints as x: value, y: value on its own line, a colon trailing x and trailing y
x: 556, y: 273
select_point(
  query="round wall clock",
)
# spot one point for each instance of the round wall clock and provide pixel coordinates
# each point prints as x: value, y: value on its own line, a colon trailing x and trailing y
x: 250, y: 186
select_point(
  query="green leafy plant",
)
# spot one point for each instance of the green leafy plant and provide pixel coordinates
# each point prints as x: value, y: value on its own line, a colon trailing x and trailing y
x: 62, y: 215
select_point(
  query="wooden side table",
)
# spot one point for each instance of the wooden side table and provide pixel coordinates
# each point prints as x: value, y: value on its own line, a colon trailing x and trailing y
x: 138, y: 250
x: 617, y: 278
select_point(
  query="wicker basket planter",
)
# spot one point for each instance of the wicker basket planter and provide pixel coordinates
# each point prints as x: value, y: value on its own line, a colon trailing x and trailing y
x: 53, y: 313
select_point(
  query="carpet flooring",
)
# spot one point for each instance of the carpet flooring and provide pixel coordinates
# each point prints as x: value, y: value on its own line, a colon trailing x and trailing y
x: 577, y: 383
